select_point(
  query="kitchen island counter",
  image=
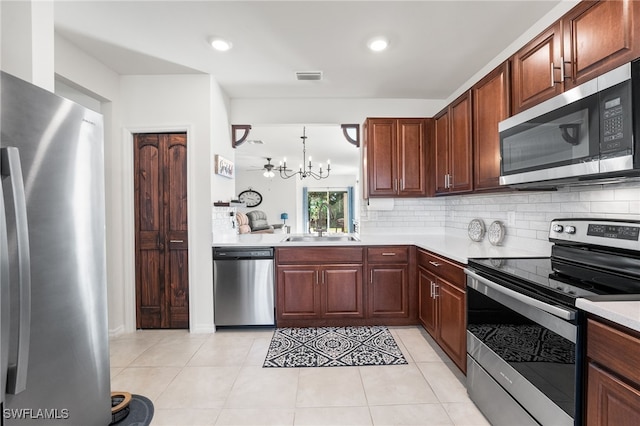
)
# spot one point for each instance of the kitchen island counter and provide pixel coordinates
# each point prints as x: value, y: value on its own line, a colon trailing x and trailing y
x: 454, y: 247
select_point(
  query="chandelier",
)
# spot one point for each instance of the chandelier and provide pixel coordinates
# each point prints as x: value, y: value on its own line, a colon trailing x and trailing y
x: 304, y: 172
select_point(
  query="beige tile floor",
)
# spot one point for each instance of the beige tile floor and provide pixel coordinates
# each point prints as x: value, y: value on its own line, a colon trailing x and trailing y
x: 218, y: 379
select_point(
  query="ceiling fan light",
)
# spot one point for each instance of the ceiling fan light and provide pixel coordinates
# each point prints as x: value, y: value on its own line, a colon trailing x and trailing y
x: 220, y: 44
x: 378, y: 44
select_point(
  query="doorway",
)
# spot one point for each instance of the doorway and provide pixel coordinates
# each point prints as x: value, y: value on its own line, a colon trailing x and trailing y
x: 161, y: 232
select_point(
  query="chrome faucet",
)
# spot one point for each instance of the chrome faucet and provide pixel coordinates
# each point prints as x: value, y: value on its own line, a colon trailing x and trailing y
x: 320, y: 229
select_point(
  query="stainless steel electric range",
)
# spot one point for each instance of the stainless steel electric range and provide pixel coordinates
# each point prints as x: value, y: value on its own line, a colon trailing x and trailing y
x: 524, y: 332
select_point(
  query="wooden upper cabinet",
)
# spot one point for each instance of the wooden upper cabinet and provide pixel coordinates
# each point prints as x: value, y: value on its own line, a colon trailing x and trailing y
x: 453, y: 149
x: 461, y: 176
x: 396, y: 156
x: 381, y: 156
x: 441, y: 151
x: 536, y: 74
x: 599, y: 36
x: 412, y: 157
x: 490, y: 106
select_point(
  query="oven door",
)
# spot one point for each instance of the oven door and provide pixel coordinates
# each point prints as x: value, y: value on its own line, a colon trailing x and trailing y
x: 527, y: 347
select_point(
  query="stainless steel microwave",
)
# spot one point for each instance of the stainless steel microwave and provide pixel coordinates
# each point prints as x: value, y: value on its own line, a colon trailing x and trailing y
x: 584, y: 135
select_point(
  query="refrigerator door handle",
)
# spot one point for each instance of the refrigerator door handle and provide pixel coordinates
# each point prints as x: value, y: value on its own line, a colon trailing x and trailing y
x: 11, y: 167
x: 5, y: 306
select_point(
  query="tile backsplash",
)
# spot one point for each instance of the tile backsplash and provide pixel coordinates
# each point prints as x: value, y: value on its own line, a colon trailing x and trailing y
x: 526, y: 215
x: 221, y: 220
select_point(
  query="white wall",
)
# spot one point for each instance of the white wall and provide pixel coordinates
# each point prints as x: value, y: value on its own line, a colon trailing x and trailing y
x: 342, y: 111
x: 278, y: 195
x: 192, y: 103
x: 178, y: 103
x: 26, y: 41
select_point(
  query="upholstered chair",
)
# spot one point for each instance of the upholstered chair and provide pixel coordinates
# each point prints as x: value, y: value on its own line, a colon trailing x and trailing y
x: 258, y: 222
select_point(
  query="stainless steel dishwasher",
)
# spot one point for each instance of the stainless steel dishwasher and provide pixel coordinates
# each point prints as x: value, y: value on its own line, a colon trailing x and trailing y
x: 243, y: 286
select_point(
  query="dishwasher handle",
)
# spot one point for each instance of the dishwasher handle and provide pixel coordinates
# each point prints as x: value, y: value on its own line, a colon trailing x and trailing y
x: 243, y: 253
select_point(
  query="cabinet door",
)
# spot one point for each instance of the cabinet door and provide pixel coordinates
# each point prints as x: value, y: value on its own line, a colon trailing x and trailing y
x: 298, y: 292
x: 341, y: 287
x: 599, y: 36
x: 536, y: 70
x: 427, y: 310
x: 441, y: 152
x: 452, y: 333
x: 381, y: 156
x: 389, y: 291
x: 491, y: 100
x: 412, y: 157
x: 461, y: 177
x: 610, y: 400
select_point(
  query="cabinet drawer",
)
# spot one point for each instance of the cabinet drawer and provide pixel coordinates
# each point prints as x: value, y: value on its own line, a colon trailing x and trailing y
x: 388, y: 254
x: 442, y: 267
x: 615, y: 349
x: 316, y: 255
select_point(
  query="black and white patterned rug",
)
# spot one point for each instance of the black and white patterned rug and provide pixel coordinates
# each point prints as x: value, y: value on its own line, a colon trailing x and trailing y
x: 333, y: 347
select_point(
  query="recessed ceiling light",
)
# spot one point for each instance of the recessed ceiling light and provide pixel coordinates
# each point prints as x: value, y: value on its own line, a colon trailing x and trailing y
x: 220, y: 44
x: 378, y: 44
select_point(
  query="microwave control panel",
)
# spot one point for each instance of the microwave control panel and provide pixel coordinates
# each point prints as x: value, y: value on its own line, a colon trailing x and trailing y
x: 615, y: 118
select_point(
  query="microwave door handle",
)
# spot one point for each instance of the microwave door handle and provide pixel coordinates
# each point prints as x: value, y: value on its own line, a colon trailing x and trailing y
x: 17, y: 373
x: 570, y: 133
x: 554, y: 310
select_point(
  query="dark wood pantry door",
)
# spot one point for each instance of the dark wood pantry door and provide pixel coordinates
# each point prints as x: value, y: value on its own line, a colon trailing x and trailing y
x: 162, y: 276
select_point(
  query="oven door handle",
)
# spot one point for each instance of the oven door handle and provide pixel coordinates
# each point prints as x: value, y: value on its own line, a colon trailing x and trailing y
x: 554, y: 310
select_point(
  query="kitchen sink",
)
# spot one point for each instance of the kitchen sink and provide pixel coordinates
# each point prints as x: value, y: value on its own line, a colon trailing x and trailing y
x: 318, y: 239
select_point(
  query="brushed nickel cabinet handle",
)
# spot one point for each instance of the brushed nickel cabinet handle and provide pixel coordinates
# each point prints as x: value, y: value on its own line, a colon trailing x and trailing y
x: 388, y: 254
x: 561, y: 68
x: 436, y: 264
x: 176, y: 241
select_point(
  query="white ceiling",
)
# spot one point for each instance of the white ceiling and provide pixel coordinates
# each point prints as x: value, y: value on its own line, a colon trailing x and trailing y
x: 435, y: 46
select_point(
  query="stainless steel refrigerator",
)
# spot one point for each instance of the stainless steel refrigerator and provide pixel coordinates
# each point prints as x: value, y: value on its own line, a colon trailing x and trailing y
x: 54, y: 347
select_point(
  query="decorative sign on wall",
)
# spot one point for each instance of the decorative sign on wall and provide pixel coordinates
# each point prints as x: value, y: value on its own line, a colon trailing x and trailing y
x: 223, y: 167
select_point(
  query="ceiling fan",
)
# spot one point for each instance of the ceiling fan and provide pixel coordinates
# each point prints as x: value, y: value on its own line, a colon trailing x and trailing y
x: 267, y: 168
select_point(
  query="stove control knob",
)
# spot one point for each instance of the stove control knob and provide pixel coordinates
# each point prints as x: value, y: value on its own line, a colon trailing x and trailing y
x: 570, y: 229
x: 557, y: 228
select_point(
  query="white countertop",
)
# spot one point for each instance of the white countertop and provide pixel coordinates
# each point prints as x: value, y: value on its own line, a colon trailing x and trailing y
x: 454, y: 247
x: 623, y: 312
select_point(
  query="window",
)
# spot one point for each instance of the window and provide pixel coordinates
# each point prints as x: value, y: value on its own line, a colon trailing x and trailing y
x: 330, y: 210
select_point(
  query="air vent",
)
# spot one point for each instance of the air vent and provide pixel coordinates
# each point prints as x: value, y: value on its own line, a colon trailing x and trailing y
x: 309, y: 75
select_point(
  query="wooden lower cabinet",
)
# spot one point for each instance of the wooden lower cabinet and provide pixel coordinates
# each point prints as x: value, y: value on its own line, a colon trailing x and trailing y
x: 391, y: 294
x: 442, y: 302
x: 388, y: 291
x: 317, y: 286
x: 610, y: 400
x: 428, y: 308
x: 452, y: 331
x: 613, y: 377
x: 341, y: 291
x: 319, y: 291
